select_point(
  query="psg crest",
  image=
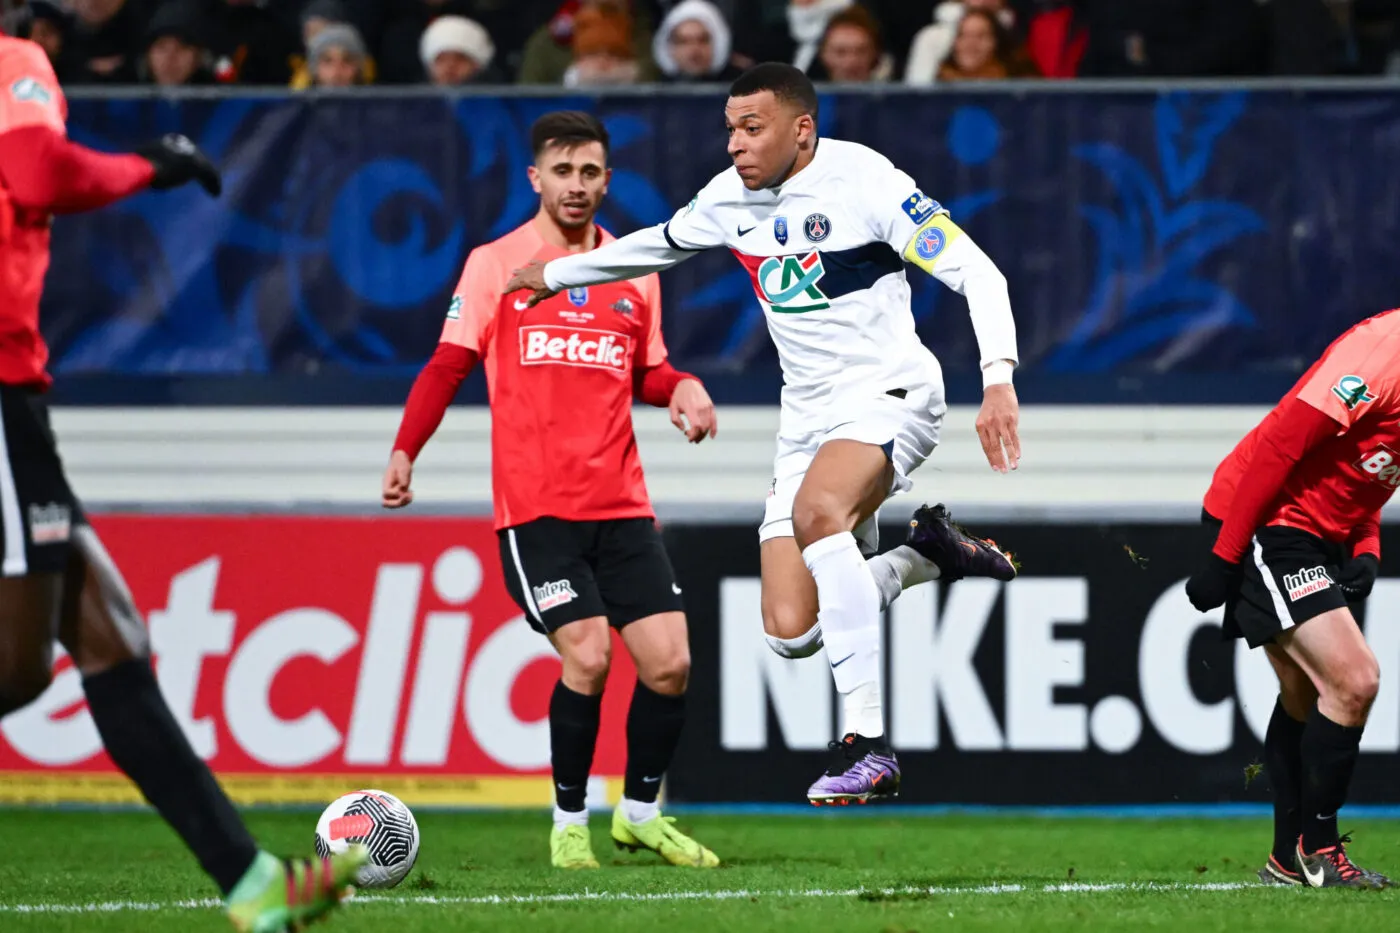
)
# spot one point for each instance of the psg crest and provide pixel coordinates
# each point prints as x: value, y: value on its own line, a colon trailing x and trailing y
x: 780, y: 230
x: 817, y: 227
x: 578, y: 297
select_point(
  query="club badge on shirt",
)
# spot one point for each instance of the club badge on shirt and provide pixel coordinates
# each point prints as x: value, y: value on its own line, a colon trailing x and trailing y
x: 817, y: 227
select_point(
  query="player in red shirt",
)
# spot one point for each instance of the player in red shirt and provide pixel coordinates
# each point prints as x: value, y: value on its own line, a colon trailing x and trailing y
x: 1297, y: 508
x: 579, y: 545
x: 56, y: 579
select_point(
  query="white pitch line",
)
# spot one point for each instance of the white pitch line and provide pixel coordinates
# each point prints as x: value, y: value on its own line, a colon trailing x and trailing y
x: 508, y: 900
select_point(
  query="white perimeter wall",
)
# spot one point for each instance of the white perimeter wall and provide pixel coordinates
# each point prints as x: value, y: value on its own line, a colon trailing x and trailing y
x: 1143, y: 461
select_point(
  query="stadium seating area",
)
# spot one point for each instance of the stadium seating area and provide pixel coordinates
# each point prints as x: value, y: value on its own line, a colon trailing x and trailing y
x: 590, y: 43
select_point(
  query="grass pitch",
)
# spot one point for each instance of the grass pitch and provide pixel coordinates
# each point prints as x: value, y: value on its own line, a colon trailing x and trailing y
x: 875, y: 871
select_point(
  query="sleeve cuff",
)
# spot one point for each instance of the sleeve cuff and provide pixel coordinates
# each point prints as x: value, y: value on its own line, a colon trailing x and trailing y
x: 997, y: 373
x: 549, y: 282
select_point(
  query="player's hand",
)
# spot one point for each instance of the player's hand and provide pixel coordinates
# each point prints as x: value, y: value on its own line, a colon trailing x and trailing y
x: 398, y: 481
x: 178, y: 161
x: 530, y: 276
x: 693, y: 412
x: 1358, y: 576
x: 1213, y: 583
x: 996, y: 427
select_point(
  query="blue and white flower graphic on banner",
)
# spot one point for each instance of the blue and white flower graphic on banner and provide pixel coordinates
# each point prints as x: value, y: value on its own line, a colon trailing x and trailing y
x: 1148, y: 292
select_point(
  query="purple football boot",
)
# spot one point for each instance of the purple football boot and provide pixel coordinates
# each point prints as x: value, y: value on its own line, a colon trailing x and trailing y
x: 861, y: 770
x: 934, y: 534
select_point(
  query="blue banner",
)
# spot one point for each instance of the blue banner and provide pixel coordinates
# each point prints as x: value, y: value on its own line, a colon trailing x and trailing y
x: 1178, y: 235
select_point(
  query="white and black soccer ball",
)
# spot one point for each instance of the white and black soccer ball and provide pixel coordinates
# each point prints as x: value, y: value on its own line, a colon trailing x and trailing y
x: 382, y: 823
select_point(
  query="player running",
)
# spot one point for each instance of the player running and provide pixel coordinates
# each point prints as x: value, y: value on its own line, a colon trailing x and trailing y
x: 824, y: 228
x: 56, y: 579
x: 1296, y: 506
x: 579, y: 545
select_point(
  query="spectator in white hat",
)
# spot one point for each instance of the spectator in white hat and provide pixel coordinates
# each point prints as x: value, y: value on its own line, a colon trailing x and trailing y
x: 693, y: 44
x: 455, y: 51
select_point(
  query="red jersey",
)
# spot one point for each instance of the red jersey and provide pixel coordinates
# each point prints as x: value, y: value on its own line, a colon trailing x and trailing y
x: 29, y: 96
x: 1342, y: 481
x: 560, y: 382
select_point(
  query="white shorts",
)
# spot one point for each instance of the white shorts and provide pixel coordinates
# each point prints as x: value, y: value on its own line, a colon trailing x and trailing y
x: 908, y: 430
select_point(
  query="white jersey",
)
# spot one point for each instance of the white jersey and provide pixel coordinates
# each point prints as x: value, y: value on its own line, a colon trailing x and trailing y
x: 825, y: 252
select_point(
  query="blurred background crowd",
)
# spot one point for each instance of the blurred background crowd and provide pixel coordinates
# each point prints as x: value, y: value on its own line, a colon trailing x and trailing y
x: 590, y: 43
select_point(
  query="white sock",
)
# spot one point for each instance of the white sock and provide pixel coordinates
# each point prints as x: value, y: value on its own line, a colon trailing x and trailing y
x: 849, y: 614
x: 564, y: 818
x: 634, y: 811
x: 898, y: 569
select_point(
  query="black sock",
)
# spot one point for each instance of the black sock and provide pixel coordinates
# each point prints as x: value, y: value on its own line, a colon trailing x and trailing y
x: 573, y: 734
x: 654, y: 723
x: 143, y: 739
x: 1283, y: 759
x: 1329, y: 755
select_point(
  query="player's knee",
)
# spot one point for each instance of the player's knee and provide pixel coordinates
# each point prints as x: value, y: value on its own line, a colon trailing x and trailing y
x: 1354, y: 688
x: 803, y: 645
x: 783, y: 620
x: 22, y: 684
x: 586, y: 665
x: 670, y: 674
x: 1362, y: 684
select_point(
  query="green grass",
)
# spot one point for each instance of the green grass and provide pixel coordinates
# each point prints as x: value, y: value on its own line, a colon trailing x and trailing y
x: 78, y: 858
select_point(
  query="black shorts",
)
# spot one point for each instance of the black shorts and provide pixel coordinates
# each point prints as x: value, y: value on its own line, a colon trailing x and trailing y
x: 38, y: 510
x: 560, y: 571
x: 1288, y: 578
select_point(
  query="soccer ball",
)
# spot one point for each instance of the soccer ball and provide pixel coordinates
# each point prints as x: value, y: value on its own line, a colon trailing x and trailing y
x: 382, y: 823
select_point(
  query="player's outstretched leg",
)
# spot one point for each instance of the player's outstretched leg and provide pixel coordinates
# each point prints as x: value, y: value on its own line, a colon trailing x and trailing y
x: 102, y: 631
x: 957, y: 554
x: 660, y: 648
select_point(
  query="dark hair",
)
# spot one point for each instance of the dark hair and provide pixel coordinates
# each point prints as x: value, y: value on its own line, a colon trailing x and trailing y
x: 788, y: 84
x: 568, y: 128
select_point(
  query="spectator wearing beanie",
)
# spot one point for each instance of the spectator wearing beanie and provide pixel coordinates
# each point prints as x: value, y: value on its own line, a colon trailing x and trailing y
x: 177, y: 53
x: 693, y: 44
x: 603, y: 53
x: 318, y: 16
x: 455, y: 51
x: 336, y: 57
x: 550, y: 51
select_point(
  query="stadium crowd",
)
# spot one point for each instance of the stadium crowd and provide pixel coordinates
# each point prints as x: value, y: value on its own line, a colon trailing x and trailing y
x: 589, y: 43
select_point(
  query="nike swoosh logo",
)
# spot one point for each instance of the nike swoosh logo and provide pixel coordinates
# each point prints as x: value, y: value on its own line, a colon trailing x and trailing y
x: 1314, y: 880
x: 675, y: 589
x: 566, y: 789
x: 647, y: 780
x: 522, y: 305
x: 743, y: 232
x: 836, y: 664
